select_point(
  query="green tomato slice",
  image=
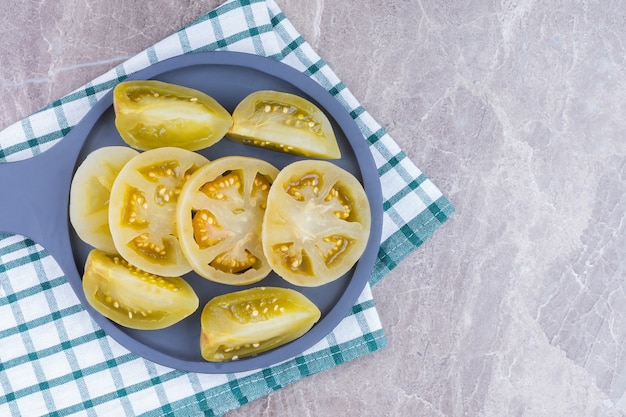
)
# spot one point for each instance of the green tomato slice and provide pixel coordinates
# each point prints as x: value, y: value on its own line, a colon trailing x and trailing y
x: 317, y: 223
x: 219, y: 218
x: 142, y: 209
x: 90, y: 192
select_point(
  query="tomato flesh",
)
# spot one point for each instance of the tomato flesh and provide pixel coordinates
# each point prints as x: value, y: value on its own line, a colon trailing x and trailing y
x: 151, y: 114
x: 90, y: 192
x: 134, y: 298
x: 219, y: 219
x: 253, y: 321
x: 284, y: 122
x: 317, y: 223
x: 142, y: 209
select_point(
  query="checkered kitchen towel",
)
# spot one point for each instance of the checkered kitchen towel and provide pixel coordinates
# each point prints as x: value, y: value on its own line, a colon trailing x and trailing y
x: 54, y: 360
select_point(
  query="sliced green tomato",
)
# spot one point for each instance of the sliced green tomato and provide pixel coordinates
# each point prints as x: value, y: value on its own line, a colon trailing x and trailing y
x: 151, y: 114
x: 133, y: 298
x: 219, y: 217
x: 317, y: 223
x: 284, y: 122
x: 90, y: 191
x: 142, y: 209
x: 252, y: 321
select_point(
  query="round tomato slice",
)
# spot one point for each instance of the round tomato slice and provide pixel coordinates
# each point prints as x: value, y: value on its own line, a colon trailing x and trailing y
x: 134, y: 298
x: 317, y: 223
x: 248, y: 322
x: 284, y: 122
x: 219, y: 218
x: 151, y: 114
x: 90, y: 191
x: 142, y: 209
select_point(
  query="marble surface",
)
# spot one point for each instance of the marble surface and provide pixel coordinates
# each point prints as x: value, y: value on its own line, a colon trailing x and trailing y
x: 517, y: 305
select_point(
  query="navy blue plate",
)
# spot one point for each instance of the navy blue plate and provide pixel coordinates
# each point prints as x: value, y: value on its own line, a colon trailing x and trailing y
x: 35, y: 200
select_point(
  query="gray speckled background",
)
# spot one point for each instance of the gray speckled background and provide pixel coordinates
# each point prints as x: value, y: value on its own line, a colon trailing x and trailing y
x: 517, y: 305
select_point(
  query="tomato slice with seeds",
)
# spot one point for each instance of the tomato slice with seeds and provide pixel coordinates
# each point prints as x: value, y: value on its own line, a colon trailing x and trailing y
x: 142, y: 209
x: 219, y: 217
x: 252, y: 321
x: 317, y: 223
x: 134, y: 298
x: 90, y: 192
x: 151, y: 114
x: 284, y: 122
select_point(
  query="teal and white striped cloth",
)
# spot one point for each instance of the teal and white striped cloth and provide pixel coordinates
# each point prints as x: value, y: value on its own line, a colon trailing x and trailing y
x: 54, y: 360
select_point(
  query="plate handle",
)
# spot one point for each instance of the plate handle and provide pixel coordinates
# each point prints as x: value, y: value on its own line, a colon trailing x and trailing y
x: 34, y: 198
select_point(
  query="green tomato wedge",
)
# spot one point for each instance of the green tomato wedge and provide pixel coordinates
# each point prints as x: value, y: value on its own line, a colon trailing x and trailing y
x: 134, y: 298
x: 248, y: 322
x: 284, y: 122
x: 152, y: 114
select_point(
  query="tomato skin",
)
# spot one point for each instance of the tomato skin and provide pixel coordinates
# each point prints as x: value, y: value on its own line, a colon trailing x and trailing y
x: 252, y: 321
x: 317, y: 223
x: 90, y: 192
x: 142, y: 209
x: 219, y: 219
x: 133, y: 298
x: 284, y: 122
x: 151, y: 114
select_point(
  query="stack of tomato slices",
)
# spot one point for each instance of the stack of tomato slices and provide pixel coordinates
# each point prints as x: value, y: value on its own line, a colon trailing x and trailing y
x: 156, y: 210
